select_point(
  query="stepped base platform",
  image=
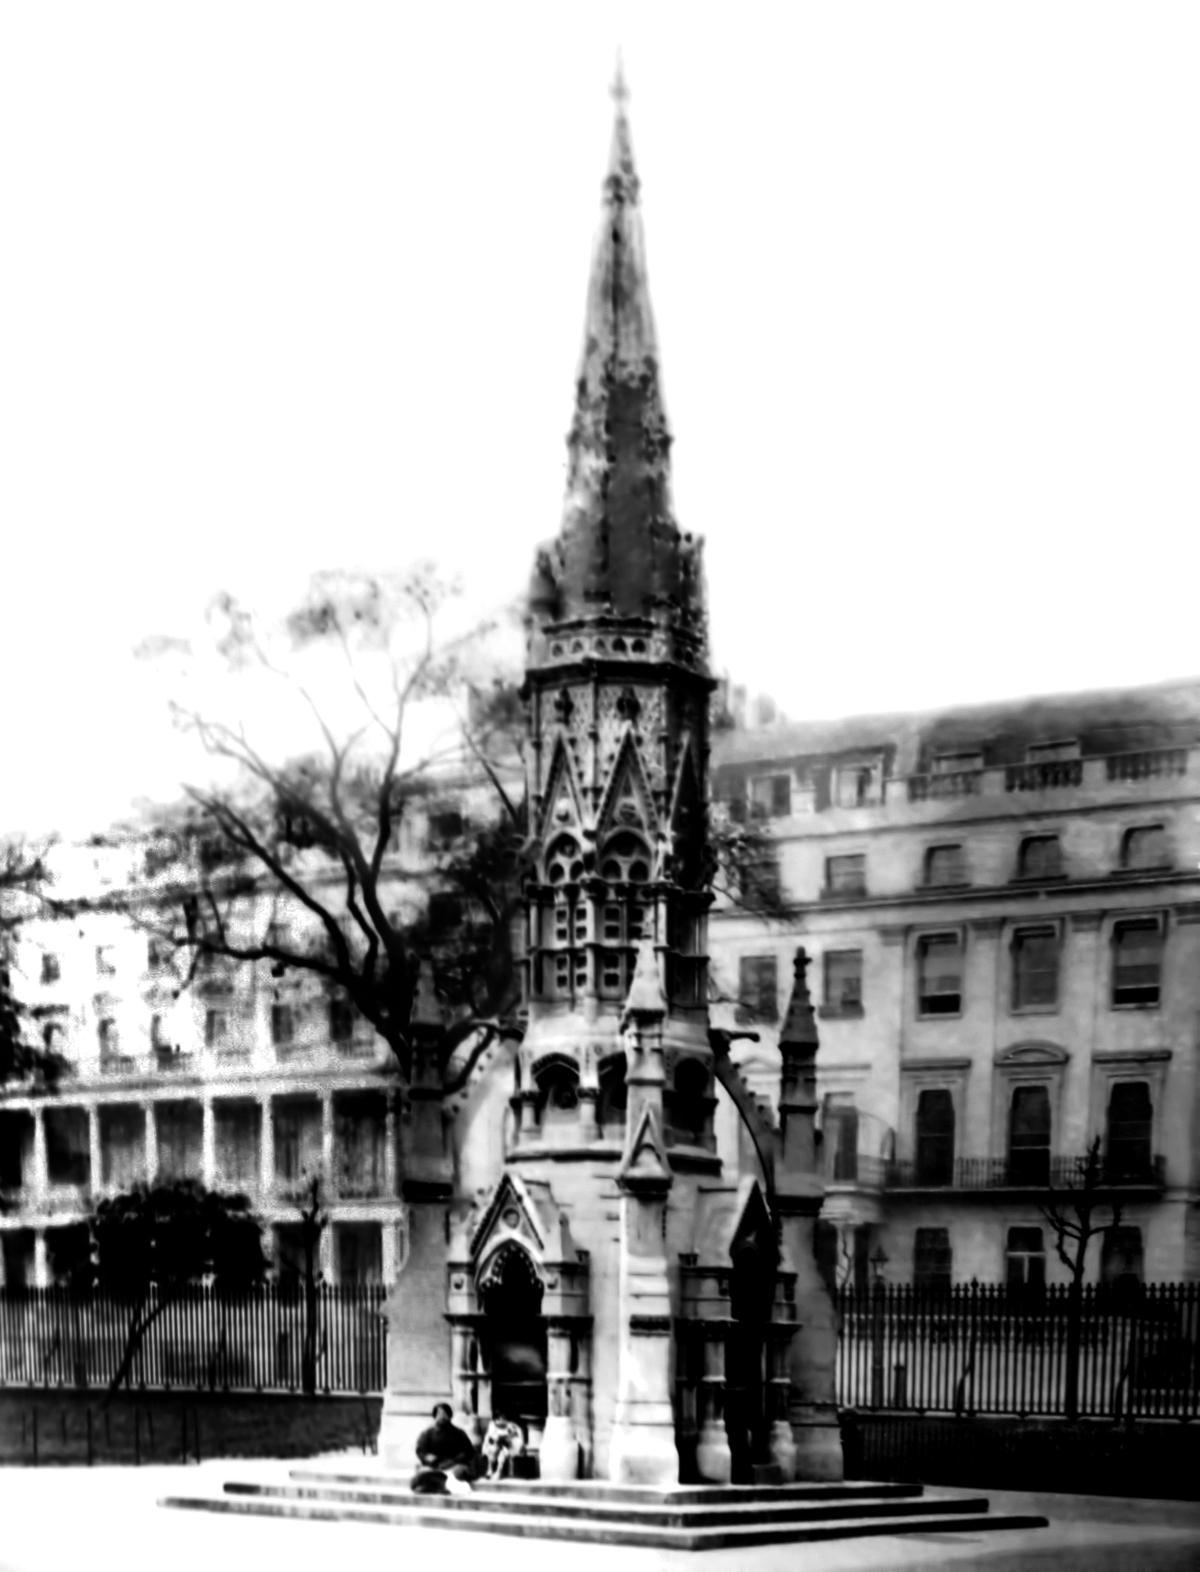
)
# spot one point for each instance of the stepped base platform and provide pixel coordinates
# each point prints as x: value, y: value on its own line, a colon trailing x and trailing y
x: 686, y: 1517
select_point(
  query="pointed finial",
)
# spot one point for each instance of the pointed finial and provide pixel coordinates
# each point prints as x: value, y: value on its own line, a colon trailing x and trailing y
x: 622, y: 181
x: 645, y: 991
x: 799, y: 1029
x: 619, y: 88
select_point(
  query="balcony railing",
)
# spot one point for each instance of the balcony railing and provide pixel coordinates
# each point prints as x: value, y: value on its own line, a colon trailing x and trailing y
x: 1028, y: 1171
x: 1148, y: 765
x: 951, y: 783
x: 1048, y: 775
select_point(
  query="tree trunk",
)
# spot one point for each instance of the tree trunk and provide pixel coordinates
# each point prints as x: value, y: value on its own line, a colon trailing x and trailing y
x: 139, y: 1325
x: 308, y: 1362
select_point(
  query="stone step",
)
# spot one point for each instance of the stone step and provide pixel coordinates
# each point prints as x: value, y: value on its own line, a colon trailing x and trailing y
x: 604, y: 1490
x: 654, y: 1513
x: 432, y: 1512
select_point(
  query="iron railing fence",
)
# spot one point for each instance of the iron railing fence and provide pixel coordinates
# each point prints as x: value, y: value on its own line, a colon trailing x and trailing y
x: 1031, y: 1169
x: 202, y: 1340
x: 991, y: 1349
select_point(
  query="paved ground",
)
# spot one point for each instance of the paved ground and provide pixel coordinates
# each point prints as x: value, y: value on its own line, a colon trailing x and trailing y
x: 104, y: 1519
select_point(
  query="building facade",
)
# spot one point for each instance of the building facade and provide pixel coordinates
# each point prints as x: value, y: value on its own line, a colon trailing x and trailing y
x: 246, y: 1081
x: 1003, y: 909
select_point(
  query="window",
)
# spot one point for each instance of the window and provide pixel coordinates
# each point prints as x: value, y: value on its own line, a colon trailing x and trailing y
x: 1145, y: 846
x: 51, y: 970
x: 283, y: 1025
x: 933, y: 1261
x: 1025, y: 1258
x: 110, y: 1044
x: 758, y: 988
x: 159, y: 1040
x: 1029, y: 1136
x: 625, y: 859
x: 1035, y: 969
x: 945, y: 865
x: 1122, y: 1260
x: 846, y: 875
x: 1137, y: 962
x: 1127, y: 1153
x: 216, y: 1028
x: 855, y: 786
x: 935, y: 1137
x: 843, y: 982
x: 158, y: 953
x: 841, y: 1131
x: 341, y: 1019
x: 53, y: 1037
x: 1040, y: 858
x: 939, y: 974
x: 557, y: 1085
x: 105, y: 964
x: 770, y: 796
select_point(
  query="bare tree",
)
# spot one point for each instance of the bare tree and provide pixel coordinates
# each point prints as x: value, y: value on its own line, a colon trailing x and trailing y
x: 346, y: 865
x: 1070, y: 1211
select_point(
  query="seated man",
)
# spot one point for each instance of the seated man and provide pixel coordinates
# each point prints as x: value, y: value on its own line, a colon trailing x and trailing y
x: 504, y: 1439
x: 446, y: 1456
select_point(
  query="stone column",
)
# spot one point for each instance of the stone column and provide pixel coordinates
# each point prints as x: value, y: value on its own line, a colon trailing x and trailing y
x: 642, y: 1449
x: 812, y: 1352
x: 589, y: 1129
x: 327, y: 1169
x: 41, y: 1263
x: 390, y: 1166
x: 713, y: 1459
x: 208, y: 1144
x: 151, y: 1143
x: 95, y: 1153
x: 559, y: 1452
x: 40, y: 1177
x: 267, y: 1150
x: 418, y: 1343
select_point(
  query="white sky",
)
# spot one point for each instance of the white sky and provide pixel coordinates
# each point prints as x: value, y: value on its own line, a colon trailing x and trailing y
x: 287, y: 286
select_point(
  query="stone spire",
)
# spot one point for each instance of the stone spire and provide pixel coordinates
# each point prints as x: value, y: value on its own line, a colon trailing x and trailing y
x: 619, y: 552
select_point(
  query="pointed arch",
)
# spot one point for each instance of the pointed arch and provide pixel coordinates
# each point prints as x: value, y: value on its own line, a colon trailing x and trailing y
x: 686, y: 820
x: 627, y: 801
x: 562, y: 800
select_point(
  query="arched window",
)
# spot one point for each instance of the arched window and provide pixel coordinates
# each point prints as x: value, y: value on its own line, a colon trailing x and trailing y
x: 557, y: 1082
x: 614, y: 1096
x: 935, y: 1137
x: 626, y: 859
x: 689, y: 1101
x: 563, y: 861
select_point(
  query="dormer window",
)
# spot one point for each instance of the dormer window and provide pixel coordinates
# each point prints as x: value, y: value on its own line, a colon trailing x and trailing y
x: 1052, y: 752
x: 958, y: 763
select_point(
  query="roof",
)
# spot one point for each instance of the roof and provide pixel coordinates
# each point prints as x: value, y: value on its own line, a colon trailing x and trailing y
x: 1107, y: 720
